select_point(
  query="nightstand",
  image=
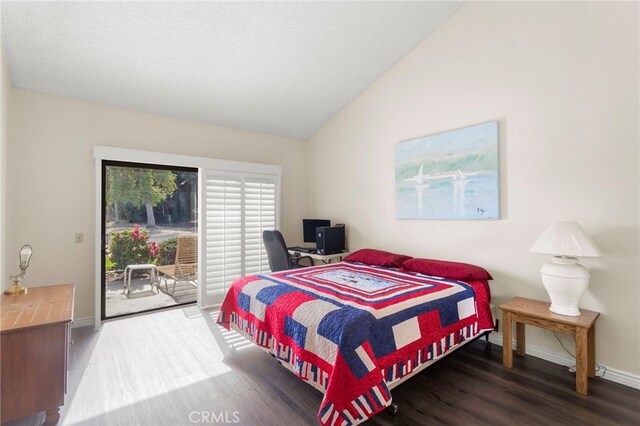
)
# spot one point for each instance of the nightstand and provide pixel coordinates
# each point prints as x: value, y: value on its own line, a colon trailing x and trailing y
x: 533, y: 312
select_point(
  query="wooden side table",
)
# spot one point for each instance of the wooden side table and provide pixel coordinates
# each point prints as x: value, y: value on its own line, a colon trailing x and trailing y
x: 533, y: 312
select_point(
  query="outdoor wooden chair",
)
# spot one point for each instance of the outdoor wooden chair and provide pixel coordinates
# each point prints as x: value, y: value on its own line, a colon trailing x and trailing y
x: 185, y: 267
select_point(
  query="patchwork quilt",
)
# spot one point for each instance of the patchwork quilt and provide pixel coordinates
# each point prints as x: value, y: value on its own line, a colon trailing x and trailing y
x: 350, y: 329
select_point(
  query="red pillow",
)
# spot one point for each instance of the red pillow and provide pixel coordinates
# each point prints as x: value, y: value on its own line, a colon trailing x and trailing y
x: 377, y: 258
x: 449, y: 270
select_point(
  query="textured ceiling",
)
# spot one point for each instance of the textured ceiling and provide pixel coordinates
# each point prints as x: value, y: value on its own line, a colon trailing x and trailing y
x: 276, y: 67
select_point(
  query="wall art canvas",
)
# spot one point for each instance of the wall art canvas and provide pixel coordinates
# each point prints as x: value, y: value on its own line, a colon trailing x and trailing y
x: 450, y: 175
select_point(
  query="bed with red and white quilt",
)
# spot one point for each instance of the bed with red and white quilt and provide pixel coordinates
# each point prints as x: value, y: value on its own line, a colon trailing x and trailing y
x: 353, y: 330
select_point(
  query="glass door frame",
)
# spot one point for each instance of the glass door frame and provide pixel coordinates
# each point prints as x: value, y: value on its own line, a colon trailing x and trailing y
x: 103, y: 235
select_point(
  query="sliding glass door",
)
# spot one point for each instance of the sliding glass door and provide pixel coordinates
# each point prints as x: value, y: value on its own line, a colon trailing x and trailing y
x: 149, y: 244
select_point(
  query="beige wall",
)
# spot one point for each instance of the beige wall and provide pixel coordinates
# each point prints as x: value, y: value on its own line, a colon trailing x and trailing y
x: 5, y: 94
x: 51, y: 176
x: 562, y: 79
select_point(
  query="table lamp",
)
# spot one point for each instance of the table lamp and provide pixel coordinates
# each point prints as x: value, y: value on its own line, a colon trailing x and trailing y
x: 25, y: 257
x: 563, y: 277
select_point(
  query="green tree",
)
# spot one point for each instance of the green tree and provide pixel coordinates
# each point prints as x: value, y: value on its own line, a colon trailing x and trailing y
x: 139, y: 187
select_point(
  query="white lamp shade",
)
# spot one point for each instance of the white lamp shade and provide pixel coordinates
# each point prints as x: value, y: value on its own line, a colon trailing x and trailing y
x: 565, y: 239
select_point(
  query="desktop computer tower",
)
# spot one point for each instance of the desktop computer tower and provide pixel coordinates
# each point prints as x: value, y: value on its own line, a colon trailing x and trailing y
x: 330, y: 239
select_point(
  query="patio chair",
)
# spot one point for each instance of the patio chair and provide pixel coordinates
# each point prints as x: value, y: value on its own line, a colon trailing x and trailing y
x: 185, y: 267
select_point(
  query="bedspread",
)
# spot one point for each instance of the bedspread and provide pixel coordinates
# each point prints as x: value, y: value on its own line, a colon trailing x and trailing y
x: 350, y: 329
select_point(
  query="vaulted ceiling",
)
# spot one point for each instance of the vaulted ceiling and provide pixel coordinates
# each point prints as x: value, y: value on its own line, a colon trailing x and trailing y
x: 283, y: 68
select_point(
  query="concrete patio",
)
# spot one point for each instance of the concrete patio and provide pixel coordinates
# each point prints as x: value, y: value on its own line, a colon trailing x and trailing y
x: 143, y: 296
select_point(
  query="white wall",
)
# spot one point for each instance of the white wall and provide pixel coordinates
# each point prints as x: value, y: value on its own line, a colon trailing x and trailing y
x: 51, y: 182
x: 5, y: 94
x: 562, y: 79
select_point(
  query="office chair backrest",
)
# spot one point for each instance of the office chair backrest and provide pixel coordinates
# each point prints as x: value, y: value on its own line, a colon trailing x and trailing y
x: 276, y: 250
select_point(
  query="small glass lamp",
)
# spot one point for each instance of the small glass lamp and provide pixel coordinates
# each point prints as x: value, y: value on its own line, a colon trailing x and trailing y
x: 25, y: 257
x: 564, y: 278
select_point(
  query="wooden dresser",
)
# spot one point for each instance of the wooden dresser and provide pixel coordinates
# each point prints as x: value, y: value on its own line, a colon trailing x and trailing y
x: 35, y: 331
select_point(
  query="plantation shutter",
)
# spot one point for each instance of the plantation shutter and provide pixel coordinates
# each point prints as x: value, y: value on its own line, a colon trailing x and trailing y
x: 236, y: 209
x: 222, y: 226
x: 260, y: 214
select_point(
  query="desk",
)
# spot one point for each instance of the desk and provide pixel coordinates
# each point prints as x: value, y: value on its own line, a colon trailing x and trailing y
x: 324, y: 258
x: 533, y: 312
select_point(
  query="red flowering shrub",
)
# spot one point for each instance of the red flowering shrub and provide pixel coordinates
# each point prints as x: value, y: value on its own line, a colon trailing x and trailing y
x: 153, y: 248
x: 132, y: 247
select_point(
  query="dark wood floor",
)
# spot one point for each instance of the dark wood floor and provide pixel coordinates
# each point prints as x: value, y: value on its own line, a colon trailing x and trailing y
x: 159, y: 369
x: 472, y: 387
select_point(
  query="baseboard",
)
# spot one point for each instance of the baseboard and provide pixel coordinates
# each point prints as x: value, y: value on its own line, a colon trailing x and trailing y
x: 83, y: 322
x: 612, y: 374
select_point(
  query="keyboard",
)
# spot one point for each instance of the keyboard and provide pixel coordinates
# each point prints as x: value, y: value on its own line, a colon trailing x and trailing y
x: 303, y: 249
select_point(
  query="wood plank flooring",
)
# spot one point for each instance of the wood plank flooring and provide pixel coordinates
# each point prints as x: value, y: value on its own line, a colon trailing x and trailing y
x: 178, y: 368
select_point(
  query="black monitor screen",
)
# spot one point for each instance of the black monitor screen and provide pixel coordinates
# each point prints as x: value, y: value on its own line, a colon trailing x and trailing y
x: 309, y: 228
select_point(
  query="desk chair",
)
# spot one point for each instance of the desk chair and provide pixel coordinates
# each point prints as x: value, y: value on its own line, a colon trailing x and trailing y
x: 279, y: 257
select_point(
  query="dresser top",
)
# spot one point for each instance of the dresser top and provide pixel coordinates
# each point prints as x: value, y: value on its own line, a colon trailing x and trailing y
x: 40, y: 306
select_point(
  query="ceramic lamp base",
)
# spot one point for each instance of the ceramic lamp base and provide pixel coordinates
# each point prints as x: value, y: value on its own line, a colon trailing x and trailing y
x: 566, y: 281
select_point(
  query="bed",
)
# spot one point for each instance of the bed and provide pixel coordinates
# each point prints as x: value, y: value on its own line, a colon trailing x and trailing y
x: 354, y: 330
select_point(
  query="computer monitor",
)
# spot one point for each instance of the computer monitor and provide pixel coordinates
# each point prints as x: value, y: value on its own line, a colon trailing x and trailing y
x: 309, y: 228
